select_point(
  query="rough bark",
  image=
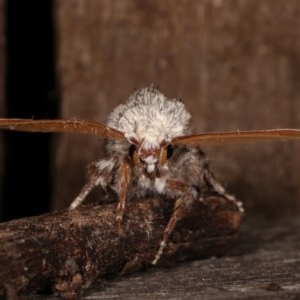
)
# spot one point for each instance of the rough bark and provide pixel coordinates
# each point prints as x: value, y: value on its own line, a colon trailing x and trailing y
x: 264, y: 265
x: 67, y: 251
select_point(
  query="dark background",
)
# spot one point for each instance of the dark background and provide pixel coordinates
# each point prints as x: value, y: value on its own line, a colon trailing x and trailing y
x: 29, y: 70
x: 235, y: 63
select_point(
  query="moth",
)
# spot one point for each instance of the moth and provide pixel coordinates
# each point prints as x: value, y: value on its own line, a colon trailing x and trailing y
x: 151, y: 151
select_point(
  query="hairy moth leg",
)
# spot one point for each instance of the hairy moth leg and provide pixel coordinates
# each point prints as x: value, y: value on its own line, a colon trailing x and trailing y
x: 180, y: 208
x: 93, y: 181
x: 218, y: 187
x: 100, y: 172
x: 124, y: 182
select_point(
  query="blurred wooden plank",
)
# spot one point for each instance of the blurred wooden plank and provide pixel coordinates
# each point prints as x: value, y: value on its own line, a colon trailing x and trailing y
x: 234, y: 63
x: 2, y: 88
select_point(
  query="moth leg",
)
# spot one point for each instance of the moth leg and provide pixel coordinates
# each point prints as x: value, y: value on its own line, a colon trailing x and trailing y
x: 94, y: 181
x: 100, y: 173
x: 180, y: 207
x: 217, y: 186
x: 124, y: 182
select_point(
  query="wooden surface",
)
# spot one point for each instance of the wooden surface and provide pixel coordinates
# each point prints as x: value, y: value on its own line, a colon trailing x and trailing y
x: 265, y: 264
x: 234, y: 63
x: 2, y: 89
x: 65, y: 252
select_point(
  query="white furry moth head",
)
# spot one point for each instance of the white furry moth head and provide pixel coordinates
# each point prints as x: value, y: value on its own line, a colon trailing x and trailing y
x: 150, y: 150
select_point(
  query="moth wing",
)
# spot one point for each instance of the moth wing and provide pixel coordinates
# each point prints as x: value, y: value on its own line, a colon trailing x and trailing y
x: 235, y: 137
x: 75, y: 126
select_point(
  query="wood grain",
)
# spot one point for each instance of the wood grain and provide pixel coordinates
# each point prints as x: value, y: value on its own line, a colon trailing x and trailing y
x: 2, y: 88
x: 234, y: 63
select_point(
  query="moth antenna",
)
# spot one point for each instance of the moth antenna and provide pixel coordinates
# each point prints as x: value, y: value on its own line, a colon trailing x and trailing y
x: 71, y: 126
x: 236, y: 137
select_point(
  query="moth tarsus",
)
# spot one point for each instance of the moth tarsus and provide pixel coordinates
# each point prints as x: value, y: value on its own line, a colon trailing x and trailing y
x: 150, y: 150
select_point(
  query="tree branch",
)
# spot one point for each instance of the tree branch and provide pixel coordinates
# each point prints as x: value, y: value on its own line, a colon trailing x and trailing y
x: 68, y: 250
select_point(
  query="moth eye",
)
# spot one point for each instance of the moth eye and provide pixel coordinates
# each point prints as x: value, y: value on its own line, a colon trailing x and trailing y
x: 131, y: 151
x: 169, y: 151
